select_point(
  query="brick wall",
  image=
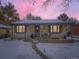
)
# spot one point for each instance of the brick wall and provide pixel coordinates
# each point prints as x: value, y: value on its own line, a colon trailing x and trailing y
x: 75, y: 30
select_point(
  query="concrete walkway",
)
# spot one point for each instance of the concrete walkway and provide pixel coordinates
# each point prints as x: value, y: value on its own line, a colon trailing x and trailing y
x: 43, y: 56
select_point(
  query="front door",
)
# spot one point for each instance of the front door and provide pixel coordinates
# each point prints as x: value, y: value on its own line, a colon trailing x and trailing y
x: 37, y: 30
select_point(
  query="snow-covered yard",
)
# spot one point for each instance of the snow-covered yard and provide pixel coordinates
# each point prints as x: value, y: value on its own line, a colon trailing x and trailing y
x: 60, y: 50
x: 17, y: 50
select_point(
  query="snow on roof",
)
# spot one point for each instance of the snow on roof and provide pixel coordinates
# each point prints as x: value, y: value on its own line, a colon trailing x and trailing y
x: 4, y: 26
x: 49, y: 21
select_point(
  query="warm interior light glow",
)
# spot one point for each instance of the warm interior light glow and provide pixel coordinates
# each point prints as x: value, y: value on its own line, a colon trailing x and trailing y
x: 55, y: 28
x: 51, y: 28
x: 44, y: 28
x: 17, y: 29
x: 31, y: 28
x: 23, y: 29
x: 58, y: 28
x: 20, y: 28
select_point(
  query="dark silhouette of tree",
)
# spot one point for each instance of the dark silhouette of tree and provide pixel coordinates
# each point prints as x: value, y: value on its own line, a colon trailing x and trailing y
x: 31, y: 17
x: 38, y: 18
x: 1, y: 13
x: 10, y: 12
x: 73, y: 20
x: 63, y: 17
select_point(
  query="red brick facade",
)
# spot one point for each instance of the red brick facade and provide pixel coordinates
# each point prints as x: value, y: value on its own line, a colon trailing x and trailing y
x: 75, y: 30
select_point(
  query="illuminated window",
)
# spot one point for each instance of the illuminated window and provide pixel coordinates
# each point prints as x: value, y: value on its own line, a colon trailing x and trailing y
x: 23, y: 29
x: 17, y: 29
x: 44, y: 28
x: 55, y: 28
x: 20, y: 28
x: 31, y: 28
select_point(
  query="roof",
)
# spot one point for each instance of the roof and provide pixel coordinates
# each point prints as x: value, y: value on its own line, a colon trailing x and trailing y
x: 2, y: 26
x: 49, y: 21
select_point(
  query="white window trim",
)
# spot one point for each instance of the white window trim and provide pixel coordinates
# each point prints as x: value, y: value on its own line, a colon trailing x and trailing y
x: 18, y: 29
x: 57, y: 29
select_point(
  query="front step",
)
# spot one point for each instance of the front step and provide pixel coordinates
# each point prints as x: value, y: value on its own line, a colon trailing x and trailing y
x: 56, y: 41
x: 50, y: 40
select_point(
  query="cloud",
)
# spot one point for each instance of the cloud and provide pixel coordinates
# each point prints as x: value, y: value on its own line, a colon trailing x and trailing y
x: 51, y: 10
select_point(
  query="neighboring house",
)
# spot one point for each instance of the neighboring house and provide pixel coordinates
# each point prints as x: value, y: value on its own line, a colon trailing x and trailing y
x: 4, y: 31
x: 41, y: 28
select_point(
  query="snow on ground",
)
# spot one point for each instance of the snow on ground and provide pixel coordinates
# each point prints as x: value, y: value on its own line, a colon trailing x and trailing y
x: 75, y: 37
x: 60, y: 50
x: 17, y: 50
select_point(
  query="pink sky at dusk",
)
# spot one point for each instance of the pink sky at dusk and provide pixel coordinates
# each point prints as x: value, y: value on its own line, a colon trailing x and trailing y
x: 51, y: 11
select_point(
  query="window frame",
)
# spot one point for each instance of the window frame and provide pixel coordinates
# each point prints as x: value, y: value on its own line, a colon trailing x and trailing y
x: 17, y: 29
x: 44, y: 28
x: 58, y: 30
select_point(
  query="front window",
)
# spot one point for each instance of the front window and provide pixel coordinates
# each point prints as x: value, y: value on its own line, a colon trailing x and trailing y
x: 31, y: 28
x: 20, y: 28
x: 44, y: 28
x: 54, y: 28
